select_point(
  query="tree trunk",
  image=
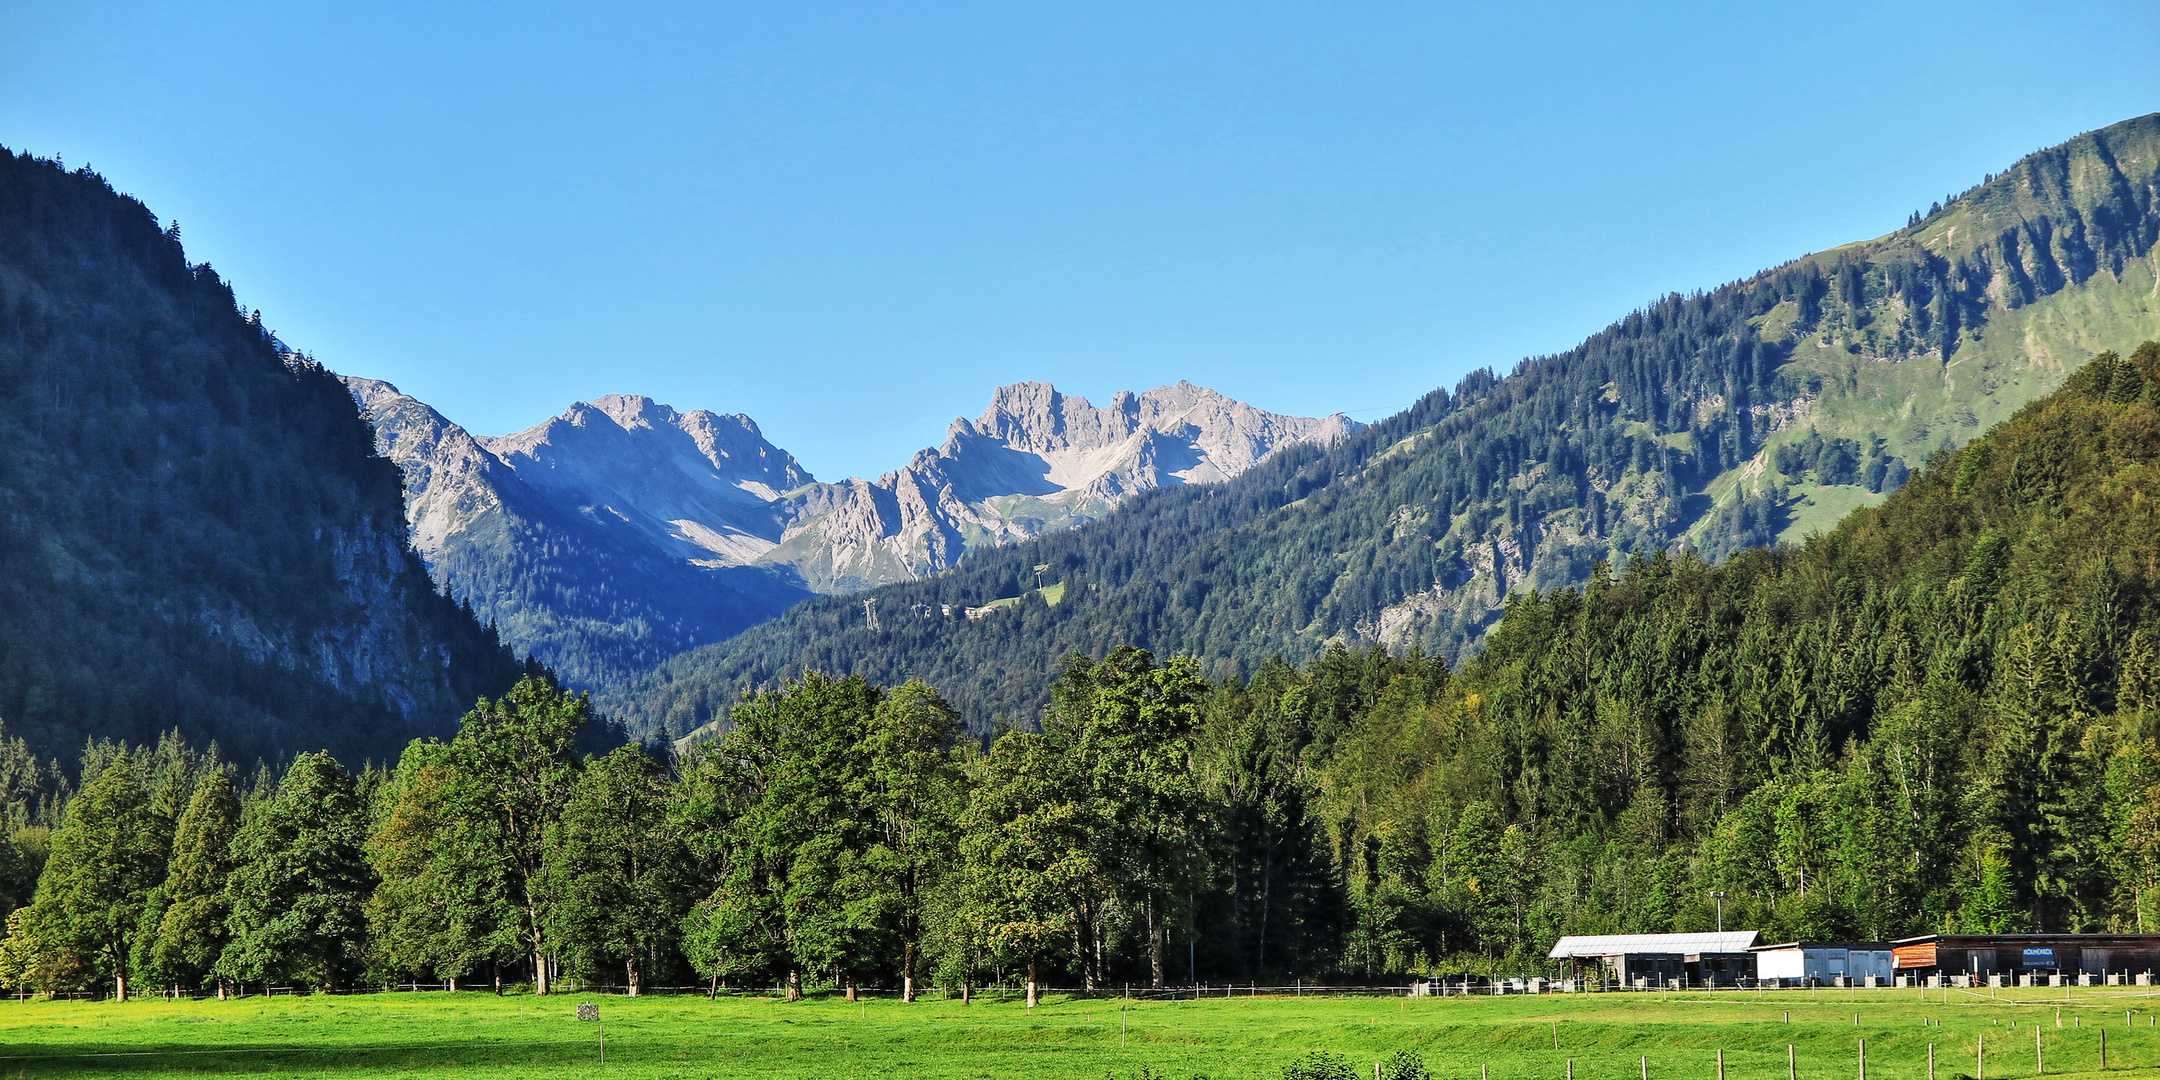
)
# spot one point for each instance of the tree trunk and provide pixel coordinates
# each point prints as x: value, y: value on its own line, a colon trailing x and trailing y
x: 221, y: 988
x: 907, y: 974
x: 794, y: 985
x: 630, y: 970
x: 1031, y: 984
x: 1154, y: 945
x: 540, y: 972
x: 1267, y: 884
x: 119, y: 988
x: 965, y: 989
x: 450, y: 984
x: 851, y: 992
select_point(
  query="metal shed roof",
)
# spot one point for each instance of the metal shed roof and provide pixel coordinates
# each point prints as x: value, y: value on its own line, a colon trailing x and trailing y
x: 1730, y: 941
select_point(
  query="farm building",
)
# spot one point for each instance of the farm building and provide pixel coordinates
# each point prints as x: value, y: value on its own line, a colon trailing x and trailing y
x: 2019, y: 955
x: 1720, y: 958
x: 1825, y: 962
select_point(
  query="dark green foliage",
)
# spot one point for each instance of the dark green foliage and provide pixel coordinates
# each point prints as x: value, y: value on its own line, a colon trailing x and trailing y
x: 1499, y: 487
x: 513, y: 767
x: 618, y: 871
x: 1839, y: 461
x: 1404, y: 1065
x: 191, y: 927
x: 820, y: 822
x: 96, y: 887
x: 194, y: 529
x: 1319, y: 1065
x: 1124, y: 727
x: 300, y: 881
x: 443, y: 905
x: 1941, y: 715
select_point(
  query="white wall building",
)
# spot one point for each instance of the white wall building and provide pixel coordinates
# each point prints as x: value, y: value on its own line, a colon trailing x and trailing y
x: 1825, y: 961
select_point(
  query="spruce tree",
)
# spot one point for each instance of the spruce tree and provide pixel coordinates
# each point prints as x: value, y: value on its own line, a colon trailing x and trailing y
x: 191, y: 932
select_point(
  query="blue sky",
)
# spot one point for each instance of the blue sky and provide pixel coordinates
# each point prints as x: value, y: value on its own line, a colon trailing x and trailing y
x: 853, y: 221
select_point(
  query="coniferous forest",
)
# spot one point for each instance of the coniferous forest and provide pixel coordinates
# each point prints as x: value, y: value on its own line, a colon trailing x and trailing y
x: 1671, y: 428
x: 195, y: 532
x: 1942, y: 715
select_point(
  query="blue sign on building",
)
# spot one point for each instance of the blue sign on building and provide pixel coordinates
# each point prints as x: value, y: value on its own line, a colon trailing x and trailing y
x: 2039, y: 957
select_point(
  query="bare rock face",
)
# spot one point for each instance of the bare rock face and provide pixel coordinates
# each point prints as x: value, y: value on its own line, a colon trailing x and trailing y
x: 702, y: 486
x: 1034, y: 462
x: 602, y: 541
x: 450, y: 480
x: 697, y: 513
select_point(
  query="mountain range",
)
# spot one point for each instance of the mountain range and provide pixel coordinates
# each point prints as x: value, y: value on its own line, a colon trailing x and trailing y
x: 622, y: 532
x: 1759, y: 411
x: 202, y: 531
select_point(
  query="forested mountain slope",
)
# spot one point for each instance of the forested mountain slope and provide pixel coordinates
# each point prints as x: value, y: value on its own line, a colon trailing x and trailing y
x: 1944, y: 714
x: 1760, y: 409
x: 194, y: 529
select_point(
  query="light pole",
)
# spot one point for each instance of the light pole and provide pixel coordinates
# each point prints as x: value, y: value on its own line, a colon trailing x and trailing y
x: 1719, y: 896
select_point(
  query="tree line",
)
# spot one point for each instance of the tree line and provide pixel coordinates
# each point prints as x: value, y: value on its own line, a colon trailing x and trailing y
x: 1942, y: 716
x: 839, y: 832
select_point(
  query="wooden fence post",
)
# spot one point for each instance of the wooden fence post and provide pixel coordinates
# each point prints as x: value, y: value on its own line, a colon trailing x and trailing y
x: 1721, y: 1065
x: 2039, y: 1058
x: 1792, y: 1065
x: 1863, y: 1059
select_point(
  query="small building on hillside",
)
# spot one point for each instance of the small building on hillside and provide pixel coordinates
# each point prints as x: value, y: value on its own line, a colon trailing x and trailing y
x: 1718, y: 958
x: 1825, y: 962
x: 2018, y: 955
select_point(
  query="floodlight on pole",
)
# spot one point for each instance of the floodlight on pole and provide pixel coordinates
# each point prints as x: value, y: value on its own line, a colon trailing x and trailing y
x: 1719, y: 896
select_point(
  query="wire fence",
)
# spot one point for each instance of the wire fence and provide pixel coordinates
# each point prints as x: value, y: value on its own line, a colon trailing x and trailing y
x: 1453, y: 986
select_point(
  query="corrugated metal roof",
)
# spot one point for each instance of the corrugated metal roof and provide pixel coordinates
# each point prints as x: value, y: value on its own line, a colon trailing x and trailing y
x: 1730, y: 941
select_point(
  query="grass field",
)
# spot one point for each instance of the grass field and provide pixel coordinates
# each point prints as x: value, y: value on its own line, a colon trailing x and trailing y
x: 1606, y: 1036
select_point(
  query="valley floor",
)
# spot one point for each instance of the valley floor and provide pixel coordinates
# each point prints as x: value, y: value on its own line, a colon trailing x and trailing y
x: 1605, y: 1036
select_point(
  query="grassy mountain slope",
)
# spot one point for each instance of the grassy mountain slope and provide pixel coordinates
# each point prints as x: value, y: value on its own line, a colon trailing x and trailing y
x: 194, y: 529
x: 1713, y: 421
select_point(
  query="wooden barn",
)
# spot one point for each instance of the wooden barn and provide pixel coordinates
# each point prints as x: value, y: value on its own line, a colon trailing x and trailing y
x: 2041, y: 958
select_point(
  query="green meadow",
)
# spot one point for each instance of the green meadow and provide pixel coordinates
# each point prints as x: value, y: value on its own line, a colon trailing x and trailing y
x: 1605, y: 1036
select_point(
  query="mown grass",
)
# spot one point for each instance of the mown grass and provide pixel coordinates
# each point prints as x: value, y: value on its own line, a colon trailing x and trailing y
x: 1606, y: 1036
